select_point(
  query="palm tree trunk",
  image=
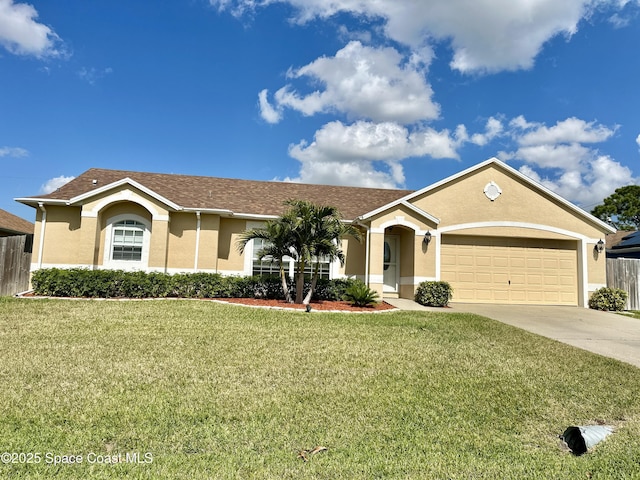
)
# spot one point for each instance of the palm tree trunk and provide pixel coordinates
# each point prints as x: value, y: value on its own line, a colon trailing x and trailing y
x: 285, y: 287
x: 314, y: 281
x: 300, y: 283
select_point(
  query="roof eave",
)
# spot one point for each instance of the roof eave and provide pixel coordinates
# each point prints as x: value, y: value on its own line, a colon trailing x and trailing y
x: 35, y: 201
x: 79, y: 199
x: 393, y: 204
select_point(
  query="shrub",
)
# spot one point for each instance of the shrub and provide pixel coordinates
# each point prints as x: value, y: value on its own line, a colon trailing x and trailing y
x: 78, y: 282
x: 608, y: 299
x: 434, y: 294
x: 360, y: 295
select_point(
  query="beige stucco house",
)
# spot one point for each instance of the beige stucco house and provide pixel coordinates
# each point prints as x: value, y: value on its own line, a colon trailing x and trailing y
x: 493, y: 233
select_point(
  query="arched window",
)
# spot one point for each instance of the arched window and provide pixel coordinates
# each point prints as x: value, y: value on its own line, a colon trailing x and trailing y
x: 127, y: 242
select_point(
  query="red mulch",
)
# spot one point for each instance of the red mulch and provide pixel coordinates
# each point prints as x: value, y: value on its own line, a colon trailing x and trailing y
x: 315, y: 305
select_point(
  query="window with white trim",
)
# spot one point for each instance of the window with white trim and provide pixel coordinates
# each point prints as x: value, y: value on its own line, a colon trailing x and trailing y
x: 128, y: 241
x: 265, y: 266
x: 269, y: 267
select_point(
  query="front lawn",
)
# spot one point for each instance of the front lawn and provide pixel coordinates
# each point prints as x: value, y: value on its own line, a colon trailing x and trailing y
x: 202, y: 390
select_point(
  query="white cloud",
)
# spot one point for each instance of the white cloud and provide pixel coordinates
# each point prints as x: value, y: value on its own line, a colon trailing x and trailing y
x: 638, y: 140
x: 494, y: 128
x: 15, y: 152
x: 269, y: 113
x: 573, y: 170
x: 485, y: 35
x: 571, y: 130
x: 53, y: 184
x: 370, y: 154
x: 92, y: 75
x: 21, y: 34
x: 361, y: 82
x: 598, y: 179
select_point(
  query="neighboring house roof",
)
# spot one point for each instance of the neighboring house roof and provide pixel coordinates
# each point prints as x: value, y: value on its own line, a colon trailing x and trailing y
x: 213, y: 193
x: 623, y: 244
x: 613, y: 239
x: 630, y: 240
x: 13, y: 224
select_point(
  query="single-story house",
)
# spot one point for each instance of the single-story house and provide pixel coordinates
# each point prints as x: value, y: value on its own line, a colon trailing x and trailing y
x: 11, y: 224
x: 493, y: 233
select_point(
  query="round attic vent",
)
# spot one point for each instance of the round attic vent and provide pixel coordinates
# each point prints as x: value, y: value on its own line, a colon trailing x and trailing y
x: 492, y: 190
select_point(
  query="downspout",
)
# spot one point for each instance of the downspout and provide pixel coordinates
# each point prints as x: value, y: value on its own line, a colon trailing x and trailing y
x: 43, y: 223
x: 195, y: 262
x: 366, y: 256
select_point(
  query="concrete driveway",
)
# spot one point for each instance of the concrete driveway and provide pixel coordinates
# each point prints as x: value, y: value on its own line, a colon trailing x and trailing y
x: 608, y: 334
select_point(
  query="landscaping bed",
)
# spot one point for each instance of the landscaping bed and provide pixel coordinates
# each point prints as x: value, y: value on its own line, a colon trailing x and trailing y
x: 324, y: 305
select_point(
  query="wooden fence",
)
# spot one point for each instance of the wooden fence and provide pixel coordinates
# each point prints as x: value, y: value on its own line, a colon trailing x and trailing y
x: 15, y: 263
x: 624, y: 273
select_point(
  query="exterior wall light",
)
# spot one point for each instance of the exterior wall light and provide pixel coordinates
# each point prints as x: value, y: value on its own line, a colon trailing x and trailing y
x: 427, y: 238
x: 600, y: 246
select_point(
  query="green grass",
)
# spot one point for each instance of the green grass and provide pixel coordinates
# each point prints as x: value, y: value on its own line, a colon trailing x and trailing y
x: 216, y: 391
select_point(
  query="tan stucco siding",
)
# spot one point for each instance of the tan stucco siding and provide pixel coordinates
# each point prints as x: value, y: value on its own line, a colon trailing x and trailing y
x: 158, y: 246
x: 596, y: 267
x: 122, y: 208
x: 208, y: 249
x: 376, y: 251
x: 354, y: 253
x: 62, y: 235
x: 124, y: 196
x: 229, y: 259
x: 401, y: 215
x: 182, y: 241
x: 89, y: 246
x: 521, y: 232
x: 462, y: 201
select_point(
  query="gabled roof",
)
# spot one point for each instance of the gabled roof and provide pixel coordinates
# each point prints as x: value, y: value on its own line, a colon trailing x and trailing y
x: 532, y: 183
x: 14, y: 224
x: 242, y: 197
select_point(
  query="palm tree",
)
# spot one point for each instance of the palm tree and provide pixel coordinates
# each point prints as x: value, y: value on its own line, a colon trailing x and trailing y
x: 277, y: 235
x: 317, y: 232
x: 306, y: 232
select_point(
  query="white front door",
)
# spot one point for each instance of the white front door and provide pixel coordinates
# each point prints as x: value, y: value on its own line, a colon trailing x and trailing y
x: 390, y: 264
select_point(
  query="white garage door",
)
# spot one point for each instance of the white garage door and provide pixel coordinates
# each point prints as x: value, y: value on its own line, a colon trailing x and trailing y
x: 510, y: 270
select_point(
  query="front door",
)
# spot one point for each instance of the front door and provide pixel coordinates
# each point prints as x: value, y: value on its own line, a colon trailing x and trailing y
x: 390, y: 264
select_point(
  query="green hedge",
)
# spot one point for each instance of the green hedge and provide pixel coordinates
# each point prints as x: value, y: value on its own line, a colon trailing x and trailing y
x: 79, y: 282
x: 434, y: 294
x: 608, y: 299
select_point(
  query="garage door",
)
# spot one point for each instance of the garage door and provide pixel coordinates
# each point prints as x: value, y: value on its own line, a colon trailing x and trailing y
x: 510, y: 270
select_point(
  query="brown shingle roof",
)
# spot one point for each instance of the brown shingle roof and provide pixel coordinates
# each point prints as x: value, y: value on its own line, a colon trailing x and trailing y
x: 14, y: 224
x: 239, y: 196
x: 613, y: 239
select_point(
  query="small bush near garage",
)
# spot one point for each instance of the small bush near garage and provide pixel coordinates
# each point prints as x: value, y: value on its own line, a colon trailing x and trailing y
x: 608, y: 299
x: 434, y: 294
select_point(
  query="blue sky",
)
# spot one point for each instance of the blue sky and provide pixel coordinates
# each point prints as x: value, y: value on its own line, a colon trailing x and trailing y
x: 392, y: 93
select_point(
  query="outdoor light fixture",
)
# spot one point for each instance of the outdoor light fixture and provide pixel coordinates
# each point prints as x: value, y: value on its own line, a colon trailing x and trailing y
x: 427, y: 238
x: 600, y: 246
